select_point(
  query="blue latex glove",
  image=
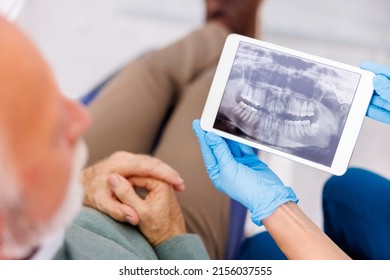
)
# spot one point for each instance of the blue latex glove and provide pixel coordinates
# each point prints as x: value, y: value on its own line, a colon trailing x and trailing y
x: 235, y: 170
x: 379, y: 108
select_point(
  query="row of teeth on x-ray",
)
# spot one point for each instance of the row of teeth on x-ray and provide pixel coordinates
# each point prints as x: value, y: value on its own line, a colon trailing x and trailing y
x: 264, y: 121
x: 279, y: 103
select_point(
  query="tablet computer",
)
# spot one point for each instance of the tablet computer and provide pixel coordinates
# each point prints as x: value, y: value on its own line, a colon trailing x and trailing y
x: 296, y: 105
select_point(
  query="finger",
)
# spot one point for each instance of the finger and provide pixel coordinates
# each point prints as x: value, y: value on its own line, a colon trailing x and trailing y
x: 239, y: 149
x: 378, y: 114
x: 253, y: 162
x: 120, y: 212
x: 246, y: 150
x: 220, y: 149
x: 147, y: 166
x: 157, y: 169
x: 124, y: 191
x: 382, y: 86
x: 149, y: 184
x: 376, y: 68
x: 378, y: 101
x: 234, y: 148
x: 208, y: 156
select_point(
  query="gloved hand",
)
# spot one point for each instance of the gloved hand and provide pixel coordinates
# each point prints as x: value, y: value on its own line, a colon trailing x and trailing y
x: 379, y: 108
x: 236, y: 170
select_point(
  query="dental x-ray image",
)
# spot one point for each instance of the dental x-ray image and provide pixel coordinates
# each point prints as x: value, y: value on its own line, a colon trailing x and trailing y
x: 286, y: 102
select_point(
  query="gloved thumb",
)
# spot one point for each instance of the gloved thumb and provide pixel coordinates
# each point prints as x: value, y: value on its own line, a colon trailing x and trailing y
x: 220, y: 149
x: 378, y: 69
x: 382, y: 86
x: 207, y: 153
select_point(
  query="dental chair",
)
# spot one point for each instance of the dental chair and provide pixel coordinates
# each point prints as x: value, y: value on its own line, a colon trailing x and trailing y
x: 237, y: 210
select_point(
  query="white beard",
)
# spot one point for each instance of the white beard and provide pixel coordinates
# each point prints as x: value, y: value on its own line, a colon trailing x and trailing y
x: 22, y: 236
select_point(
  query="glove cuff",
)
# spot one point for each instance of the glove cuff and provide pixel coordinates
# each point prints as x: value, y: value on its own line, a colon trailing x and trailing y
x: 286, y: 194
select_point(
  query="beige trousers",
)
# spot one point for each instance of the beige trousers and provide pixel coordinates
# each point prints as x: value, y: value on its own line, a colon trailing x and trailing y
x: 130, y: 111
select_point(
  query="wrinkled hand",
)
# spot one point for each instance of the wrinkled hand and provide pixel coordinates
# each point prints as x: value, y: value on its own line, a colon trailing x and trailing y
x: 379, y: 108
x: 160, y: 215
x: 236, y: 170
x: 99, y: 195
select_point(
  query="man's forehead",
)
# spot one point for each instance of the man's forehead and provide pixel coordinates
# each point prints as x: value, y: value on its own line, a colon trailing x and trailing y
x: 28, y: 93
x: 23, y: 70
x: 19, y: 64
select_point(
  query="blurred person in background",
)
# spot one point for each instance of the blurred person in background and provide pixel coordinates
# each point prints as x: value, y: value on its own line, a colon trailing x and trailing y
x: 148, y: 108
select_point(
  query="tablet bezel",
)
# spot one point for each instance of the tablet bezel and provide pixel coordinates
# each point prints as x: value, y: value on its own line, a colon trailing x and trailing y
x: 353, y: 122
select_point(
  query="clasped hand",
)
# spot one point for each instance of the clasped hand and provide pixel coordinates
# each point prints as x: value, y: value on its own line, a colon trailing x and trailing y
x: 109, y: 187
x: 160, y: 214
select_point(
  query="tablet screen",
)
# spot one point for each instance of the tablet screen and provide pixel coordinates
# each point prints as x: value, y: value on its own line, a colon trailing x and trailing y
x: 286, y: 102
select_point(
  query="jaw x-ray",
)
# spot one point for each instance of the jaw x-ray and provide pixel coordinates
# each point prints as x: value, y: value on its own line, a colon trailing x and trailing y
x: 291, y: 104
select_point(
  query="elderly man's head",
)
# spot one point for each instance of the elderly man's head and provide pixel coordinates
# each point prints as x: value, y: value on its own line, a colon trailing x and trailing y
x: 39, y: 133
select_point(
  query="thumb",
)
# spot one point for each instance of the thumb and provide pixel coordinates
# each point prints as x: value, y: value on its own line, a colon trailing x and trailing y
x: 239, y: 150
x: 208, y: 157
x: 382, y: 86
x: 124, y: 191
x: 220, y: 149
x: 246, y: 150
x: 375, y: 68
x: 379, y: 114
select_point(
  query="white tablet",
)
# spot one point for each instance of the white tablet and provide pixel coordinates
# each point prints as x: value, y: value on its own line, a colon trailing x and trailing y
x: 289, y: 103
